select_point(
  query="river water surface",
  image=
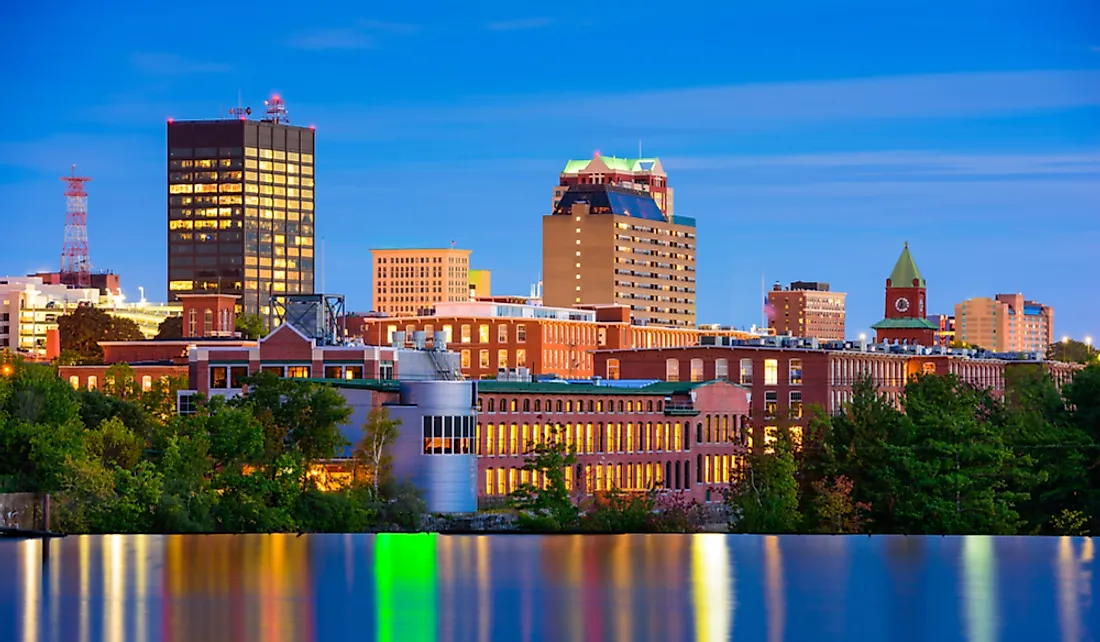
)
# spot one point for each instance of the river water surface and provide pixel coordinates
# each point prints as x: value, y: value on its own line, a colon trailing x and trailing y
x: 408, y: 588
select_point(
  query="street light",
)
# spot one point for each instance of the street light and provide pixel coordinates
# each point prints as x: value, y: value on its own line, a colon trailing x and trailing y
x: 1088, y: 348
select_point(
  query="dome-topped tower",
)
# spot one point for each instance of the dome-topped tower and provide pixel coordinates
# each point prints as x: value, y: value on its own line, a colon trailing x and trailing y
x: 906, y: 309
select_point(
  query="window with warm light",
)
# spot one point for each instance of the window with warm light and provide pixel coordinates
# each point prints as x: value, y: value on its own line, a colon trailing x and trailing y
x: 483, y: 333
x: 771, y: 372
x: 672, y: 370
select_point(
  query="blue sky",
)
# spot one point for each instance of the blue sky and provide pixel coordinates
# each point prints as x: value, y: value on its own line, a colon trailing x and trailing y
x: 809, y: 140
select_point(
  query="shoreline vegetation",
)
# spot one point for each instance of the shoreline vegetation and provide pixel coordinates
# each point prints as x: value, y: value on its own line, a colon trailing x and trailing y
x: 944, y: 459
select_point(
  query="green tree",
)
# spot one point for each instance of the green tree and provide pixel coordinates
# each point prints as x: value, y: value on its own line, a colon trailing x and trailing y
x: 82, y: 329
x: 864, y: 444
x: 958, y: 468
x: 170, y: 328
x: 1072, y: 351
x: 834, y: 510
x: 120, y: 381
x: 765, y: 499
x: 187, y: 498
x: 619, y: 511
x: 1053, y: 452
x: 251, y: 326
x: 373, y: 450
x: 114, y: 444
x: 1082, y: 396
x: 300, y: 418
x: 547, y: 506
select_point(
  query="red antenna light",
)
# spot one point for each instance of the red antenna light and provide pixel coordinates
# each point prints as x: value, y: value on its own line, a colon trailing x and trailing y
x: 171, y: 120
x: 276, y: 111
x: 313, y: 127
x: 76, y: 267
x: 597, y: 154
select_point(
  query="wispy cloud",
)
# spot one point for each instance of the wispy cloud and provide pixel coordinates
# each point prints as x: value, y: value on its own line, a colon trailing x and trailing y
x: 168, y: 64
x: 363, y: 34
x: 729, y: 109
x: 520, y: 24
x: 900, y: 164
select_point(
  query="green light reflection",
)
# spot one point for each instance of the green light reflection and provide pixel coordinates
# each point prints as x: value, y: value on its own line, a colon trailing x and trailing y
x: 405, y: 587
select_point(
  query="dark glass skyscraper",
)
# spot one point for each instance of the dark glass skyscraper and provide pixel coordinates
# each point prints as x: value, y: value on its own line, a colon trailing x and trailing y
x: 240, y: 210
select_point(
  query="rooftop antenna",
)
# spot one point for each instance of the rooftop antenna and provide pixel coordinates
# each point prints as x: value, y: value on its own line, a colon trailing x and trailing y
x: 276, y: 111
x: 239, y: 112
x: 76, y: 267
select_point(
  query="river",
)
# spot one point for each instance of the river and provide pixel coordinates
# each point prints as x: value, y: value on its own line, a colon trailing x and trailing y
x: 408, y: 588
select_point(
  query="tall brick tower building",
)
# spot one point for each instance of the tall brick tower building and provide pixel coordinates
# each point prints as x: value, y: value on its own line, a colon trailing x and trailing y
x: 906, y: 295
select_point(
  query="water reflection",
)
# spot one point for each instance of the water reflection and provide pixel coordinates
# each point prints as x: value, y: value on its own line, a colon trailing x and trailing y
x: 408, y: 588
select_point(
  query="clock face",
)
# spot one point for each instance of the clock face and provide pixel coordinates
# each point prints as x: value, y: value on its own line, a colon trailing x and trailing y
x: 901, y: 304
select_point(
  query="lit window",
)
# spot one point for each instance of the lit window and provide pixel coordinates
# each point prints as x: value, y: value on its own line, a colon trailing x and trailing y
x: 502, y: 358
x: 521, y: 358
x: 483, y: 358
x: 771, y: 404
x: 746, y: 372
x: 771, y: 372
x: 483, y: 333
x: 465, y: 358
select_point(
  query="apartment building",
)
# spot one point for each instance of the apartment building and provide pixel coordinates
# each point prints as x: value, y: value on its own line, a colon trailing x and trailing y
x: 1005, y: 323
x: 807, y: 309
x: 410, y: 281
x: 611, y: 245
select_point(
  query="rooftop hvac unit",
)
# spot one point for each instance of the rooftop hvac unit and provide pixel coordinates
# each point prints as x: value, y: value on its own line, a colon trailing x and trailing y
x: 420, y: 339
x: 398, y: 340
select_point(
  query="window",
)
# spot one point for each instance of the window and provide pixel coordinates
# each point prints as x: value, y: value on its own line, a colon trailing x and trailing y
x: 297, y: 372
x: 521, y: 358
x: 483, y: 333
x: 385, y: 370
x: 447, y: 333
x: 672, y: 370
x: 771, y: 372
x: 353, y: 372
x: 796, y: 372
x: 796, y: 404
x: 208, y: 322
x: 696, y: 369
x: 612, y: 369
x: 521, y: 333
x: 465, y: 334
x: 465, y: 358
x: 721, y: 369
x: 74, y: 381
x: 219, y: 377
x: 333, y: 372
x: 191, y: 322
x: 92, y: 383
x: 771, y: 404
x: 185, y: 403
x: 502, y: 333
x: 502, y: 358
x: 746, y: 372
x: 483, y: 358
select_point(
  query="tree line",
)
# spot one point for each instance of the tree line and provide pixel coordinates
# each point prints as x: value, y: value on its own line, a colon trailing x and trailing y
x: 121, y: 460
x: 952, y: 459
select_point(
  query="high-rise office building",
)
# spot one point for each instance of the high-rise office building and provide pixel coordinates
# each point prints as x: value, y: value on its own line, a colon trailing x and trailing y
x: 1007, y: 323
x: 605, y: 244
x: 807, y: 309
x: 411, y: 281
x: 240, y: 208
x: 639, y: 174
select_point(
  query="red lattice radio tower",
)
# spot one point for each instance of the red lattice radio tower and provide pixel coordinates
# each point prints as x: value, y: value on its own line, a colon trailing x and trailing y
x: 76, y: 267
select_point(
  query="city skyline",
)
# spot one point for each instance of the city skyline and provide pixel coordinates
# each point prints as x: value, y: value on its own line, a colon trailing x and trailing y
x: 982, y: 154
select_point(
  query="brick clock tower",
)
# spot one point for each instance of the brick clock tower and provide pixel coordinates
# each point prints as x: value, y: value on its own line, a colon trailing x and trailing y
x: 906, y: 309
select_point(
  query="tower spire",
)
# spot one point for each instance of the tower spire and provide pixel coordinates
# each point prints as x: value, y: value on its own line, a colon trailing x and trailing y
x: 76, y: 267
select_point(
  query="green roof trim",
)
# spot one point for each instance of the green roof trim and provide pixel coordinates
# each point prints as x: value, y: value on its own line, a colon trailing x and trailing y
x: 378, y: 385
x: 613, y: 163
x: 905, y: 324
x: 905, y: 271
